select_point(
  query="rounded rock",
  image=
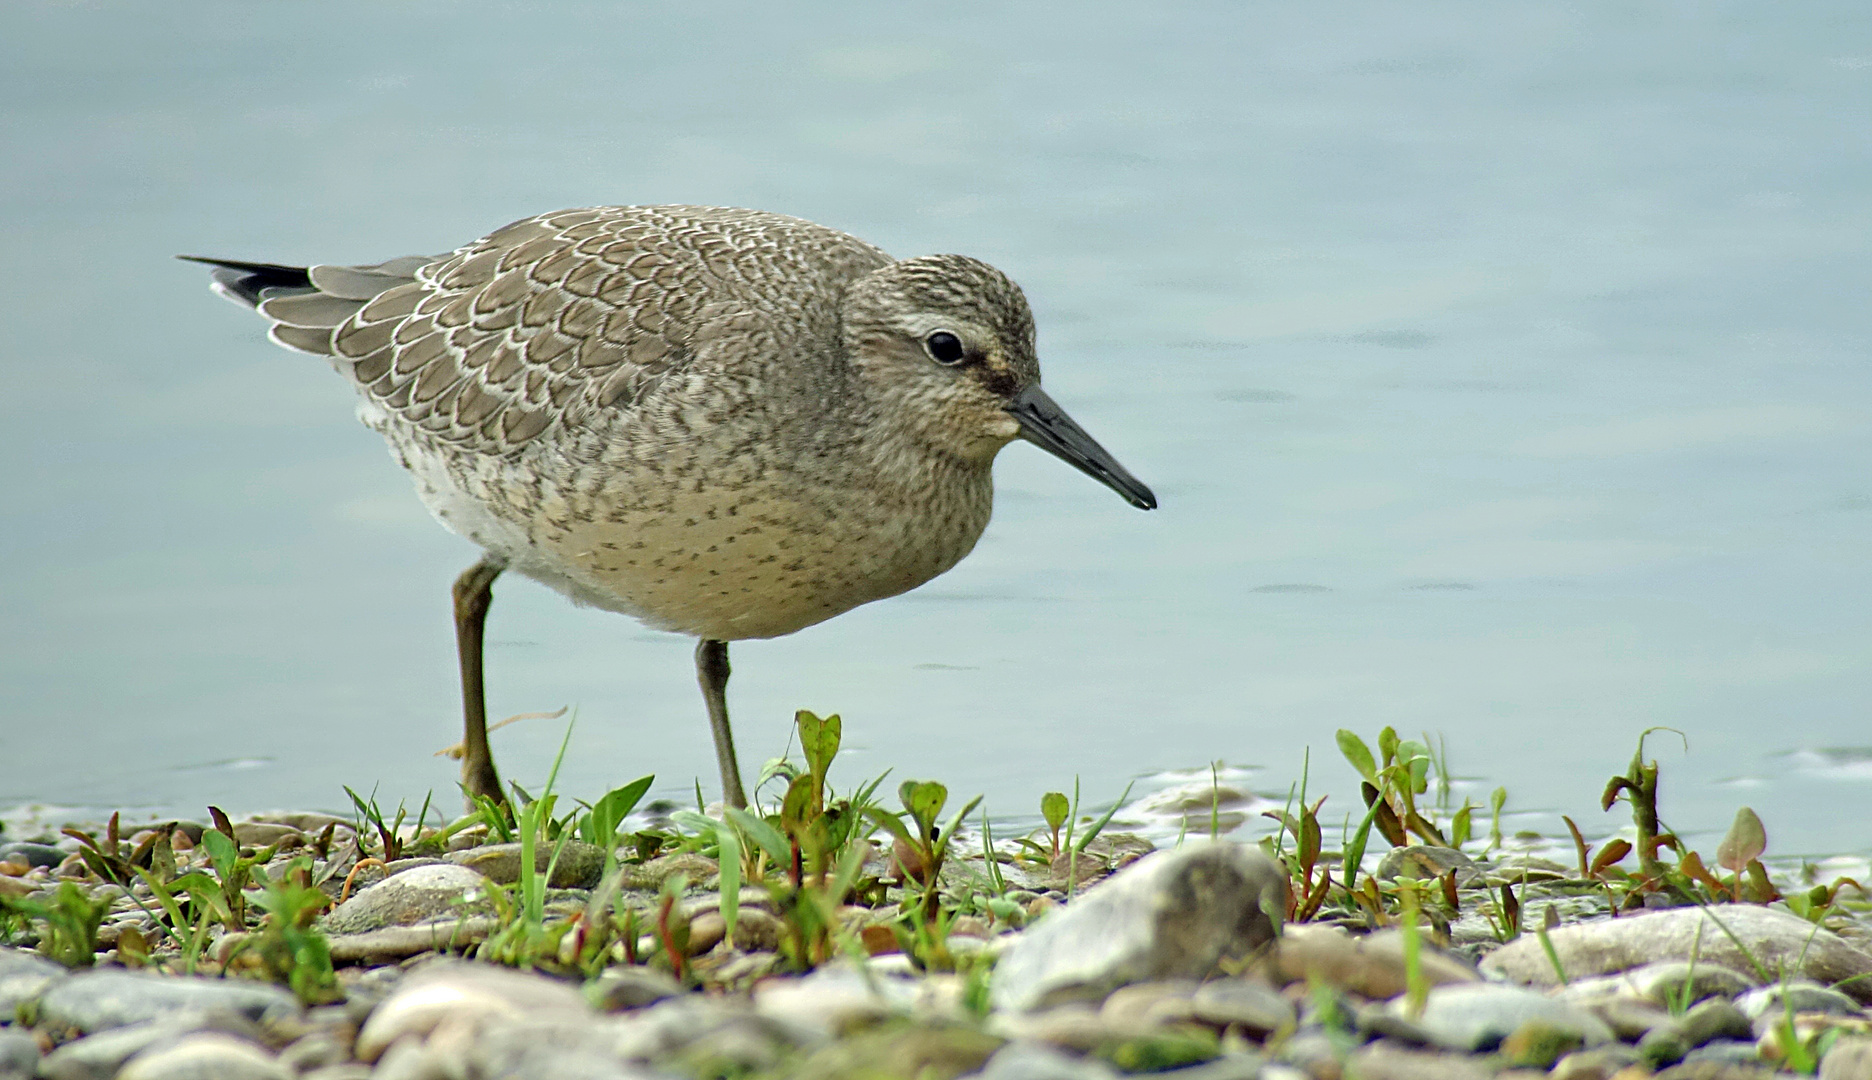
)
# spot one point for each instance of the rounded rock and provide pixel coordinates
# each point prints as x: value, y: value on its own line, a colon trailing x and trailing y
x: 414, y: 896
x: 206, y: 1057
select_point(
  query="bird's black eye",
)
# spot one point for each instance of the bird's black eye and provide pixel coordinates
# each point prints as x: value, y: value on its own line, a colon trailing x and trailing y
x: 944, y: 347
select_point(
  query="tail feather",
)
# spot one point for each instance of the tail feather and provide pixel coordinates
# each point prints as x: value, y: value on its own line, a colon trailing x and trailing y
x: 307, y: 303
x: 245, y: 282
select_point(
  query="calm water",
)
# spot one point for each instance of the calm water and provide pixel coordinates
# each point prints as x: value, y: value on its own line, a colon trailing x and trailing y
x: 1502, y: 374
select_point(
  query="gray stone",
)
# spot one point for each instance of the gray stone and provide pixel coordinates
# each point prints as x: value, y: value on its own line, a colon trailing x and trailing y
x: 462, y: 995
x: 396, y: 942
x: 1248, y: 1003
x: 700, y: 870
x: 1231, y: 1066
x: 1171, y: 914
x: 1038, y: 1061
x: 622, y: 988
x: 1662, y: 982
x: 670, y: 1027
x: 1427, y: 862
x: 832, y: 999
x: 19, y: 1054
x: 1631, y: 1019
x: 1381, y: 1061
x: 314, y: 1051
x: 351, y: 1071
x: 24, y: 975
x: 100, y: 1056
x: 32, y: 854
x: 579, y: 866
x: 1715, y: 1070
x: 259, y: 834
x: 1371, y: 966
x: 1715, y: 1019
x: 206, y: 1056
x: 1777, y: 940
x: 546, y: 1048
x: 413, y: 896
x: 101, y: 999
x: 1599, y: 1063
x: 1725, y: 1052
x: 1478, y: 1016
x: 1850, y: 1058
x: 1805, y: 997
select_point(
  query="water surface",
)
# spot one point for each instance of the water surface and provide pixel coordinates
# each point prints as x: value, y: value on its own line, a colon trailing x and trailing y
x: 1501, y: 371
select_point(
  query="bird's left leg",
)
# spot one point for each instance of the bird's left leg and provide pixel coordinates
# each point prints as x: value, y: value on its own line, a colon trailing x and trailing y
x: 711, y: 658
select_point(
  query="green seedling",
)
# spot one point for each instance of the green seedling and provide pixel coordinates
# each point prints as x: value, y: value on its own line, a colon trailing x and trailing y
x: 70, y: 920
x: 290, y: 947
x: 921, y: 845
x: 1394, y: 779
x: 1055, y: 810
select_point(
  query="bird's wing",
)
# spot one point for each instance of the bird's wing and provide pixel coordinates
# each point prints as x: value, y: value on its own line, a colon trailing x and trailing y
x: 554, y: 319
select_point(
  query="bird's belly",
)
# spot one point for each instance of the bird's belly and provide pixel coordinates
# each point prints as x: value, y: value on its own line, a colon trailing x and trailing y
x: 767, y: 568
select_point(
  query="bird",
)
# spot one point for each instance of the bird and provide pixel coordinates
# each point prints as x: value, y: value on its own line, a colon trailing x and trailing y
x: 727, y: 423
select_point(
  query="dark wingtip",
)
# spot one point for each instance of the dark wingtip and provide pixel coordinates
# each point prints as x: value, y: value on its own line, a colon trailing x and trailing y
x: 245, y: 281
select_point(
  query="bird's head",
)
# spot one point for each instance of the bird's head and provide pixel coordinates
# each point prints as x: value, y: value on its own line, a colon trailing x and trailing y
x: 948, y: 341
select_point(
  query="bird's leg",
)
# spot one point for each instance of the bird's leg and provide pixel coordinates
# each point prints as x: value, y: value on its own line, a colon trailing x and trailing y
x: 711, y: 661
x: 473, y: 594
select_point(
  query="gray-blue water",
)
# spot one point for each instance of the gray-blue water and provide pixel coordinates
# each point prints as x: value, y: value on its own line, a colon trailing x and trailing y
x: 1501, y: 369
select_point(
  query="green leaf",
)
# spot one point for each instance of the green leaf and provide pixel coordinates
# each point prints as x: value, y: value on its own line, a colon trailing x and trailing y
x: 730, y: 860
x: 924, y: 799
x: 819, y: 741
x: 1099, y: 825
x: 765, y: 836
x: 1354, y: 750
x: 1746, y: 840
x: 609, y: 812
x: 1054, y: 808
x: 1462, y: 824
x: 221, y: 851
x: 1388, y: 745
x: 796, y: 809
x: 891, y: 823
x: 1355, y: 851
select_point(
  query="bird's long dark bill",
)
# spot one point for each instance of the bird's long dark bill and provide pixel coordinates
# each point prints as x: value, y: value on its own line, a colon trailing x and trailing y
x: 1047, y: 426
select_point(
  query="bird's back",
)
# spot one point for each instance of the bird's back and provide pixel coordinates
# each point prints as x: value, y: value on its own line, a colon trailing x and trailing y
x: 645, y: 407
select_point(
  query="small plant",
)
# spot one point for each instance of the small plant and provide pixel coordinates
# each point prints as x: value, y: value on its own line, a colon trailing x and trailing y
x: 290, y: 948
x: 70, y: 920
x: 921, y: 845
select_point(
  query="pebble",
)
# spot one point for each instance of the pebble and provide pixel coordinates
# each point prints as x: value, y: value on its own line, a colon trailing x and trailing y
x: 259, y: 834
x: 100, y: 999
x: 1478, y: 1016
x: 206, y: 1057
x: 397, y: 942
x: 1599, y: 1063
x: 1170, y: 914
x: 25, y: 975
x: 1248, y: 1003
x: 1806, y: 997
x: 1371, y: 966
x: 831, y: 1000
x: 1714, y: 1019
x: 98, y: 1057
x: 1024, y: 1060
x: 461, y: 994
x: 579, y: 867
x: 1427, y: 862
x: 1849, y: 1059
x: 19, y: 1054
x: 1714, y: 1070
x: 32, y: 854
x: 622, y: 988
x: 1777, y: 939
x: 700, y: 870
x: 1381, y: 1061
x: 414, y: 896
x: 539, y: 1048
